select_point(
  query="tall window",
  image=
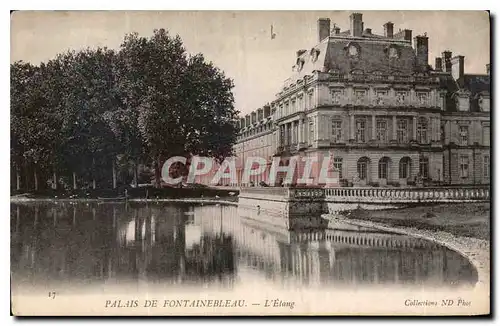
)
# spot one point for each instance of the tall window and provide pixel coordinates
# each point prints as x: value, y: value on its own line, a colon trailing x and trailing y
x: 382, y: 130
x: 381, y: 96
x: 294, y: 106
x: 359, y: 96
x: 383, y: 167
x: 423, y: 98
x: 464, y: 166
x: 311, y: 130
x: 486, y: 166
x: 362, y: 168
x: 486, y: 135
x: 336, y: 131
x: 402, y: 131
x: 401, y: 97
x: 360, y: 130
x: 424, y: 167
x: 404, y: 168
x: 336, y: 96
x: 287, y: 108
x: 422, y: 131
x: 310, y: 99
x: 337, y: 165
x: 464, y: 135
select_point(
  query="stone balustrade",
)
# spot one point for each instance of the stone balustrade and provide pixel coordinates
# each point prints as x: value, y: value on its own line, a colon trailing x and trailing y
x: 272, y: 191
x: 375, y: 195
x: 407, y: 195
x: 306, y: 193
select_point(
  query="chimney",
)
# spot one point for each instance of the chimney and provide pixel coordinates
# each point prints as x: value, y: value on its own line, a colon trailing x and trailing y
x: 446, y: 55
x: 439, y: 64
x: 457, y: 67
x: 403, y: 34
x: 323, y: 28
x: 488, y: 68
x: 356, y: 24
x: 421, y: 44
x: 388, y: 29
x: 336, y: 30
x: 368, y: 31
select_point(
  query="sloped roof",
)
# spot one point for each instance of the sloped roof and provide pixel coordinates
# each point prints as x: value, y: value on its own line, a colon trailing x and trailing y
x: 373, y: 56
x: 447, y: 82
x: 475, y: 83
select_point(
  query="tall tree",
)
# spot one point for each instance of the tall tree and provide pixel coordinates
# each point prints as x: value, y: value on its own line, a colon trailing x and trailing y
x: 184, y: 105
x: 81, y: 111
x: 90, y: 147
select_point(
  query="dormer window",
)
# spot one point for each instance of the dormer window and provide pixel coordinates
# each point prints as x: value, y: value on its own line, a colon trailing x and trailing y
x: 484, y: 103
x: 300, y: 64
x: 314, y: 55
x: 462, y: 100
x: 392, y: 52
x: 353, y: 51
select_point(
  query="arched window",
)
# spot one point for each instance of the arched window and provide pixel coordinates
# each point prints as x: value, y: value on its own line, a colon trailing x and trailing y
x: 404, y: 168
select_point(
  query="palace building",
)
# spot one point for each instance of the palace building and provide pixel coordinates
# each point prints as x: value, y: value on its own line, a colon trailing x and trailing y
x: 375, y: 104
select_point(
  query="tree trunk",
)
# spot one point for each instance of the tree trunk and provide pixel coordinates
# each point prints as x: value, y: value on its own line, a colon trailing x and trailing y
x: 93, y: 173
x: 18, y: 179
x: 27, y: 183
x: 114, y: 173
x: 74, y: 180
x: 54, y: 184
x: 158, y: 172
x: 35, y: 178
x: 136, y: 167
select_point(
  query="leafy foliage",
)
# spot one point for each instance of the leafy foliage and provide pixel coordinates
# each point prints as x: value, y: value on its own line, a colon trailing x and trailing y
x: 88, y: 111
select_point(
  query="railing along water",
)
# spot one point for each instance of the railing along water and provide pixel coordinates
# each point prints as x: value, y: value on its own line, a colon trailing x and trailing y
x: 407, y: 194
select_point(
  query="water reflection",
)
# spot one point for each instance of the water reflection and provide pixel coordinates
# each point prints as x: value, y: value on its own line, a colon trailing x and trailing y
x: 216, y: 245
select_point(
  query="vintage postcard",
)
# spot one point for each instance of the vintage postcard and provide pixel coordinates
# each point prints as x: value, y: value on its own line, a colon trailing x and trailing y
x: 250, y: 163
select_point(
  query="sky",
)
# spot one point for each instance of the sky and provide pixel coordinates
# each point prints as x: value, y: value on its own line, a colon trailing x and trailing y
x: 239, y: 42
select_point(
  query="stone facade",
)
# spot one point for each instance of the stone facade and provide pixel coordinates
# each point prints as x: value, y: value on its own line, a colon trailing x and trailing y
x: 388, y: 117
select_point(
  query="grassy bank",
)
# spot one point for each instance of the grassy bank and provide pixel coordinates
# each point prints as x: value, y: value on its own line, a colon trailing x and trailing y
x: 132, y: 193
x: 468, y: 219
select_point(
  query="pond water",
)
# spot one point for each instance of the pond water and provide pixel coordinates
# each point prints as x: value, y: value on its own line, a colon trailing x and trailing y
x: 92, y: 245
